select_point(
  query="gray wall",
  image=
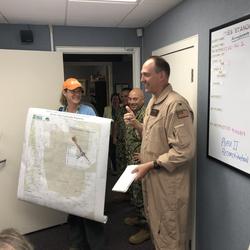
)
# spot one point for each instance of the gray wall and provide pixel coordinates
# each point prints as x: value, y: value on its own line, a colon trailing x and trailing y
x: 10, y: 37
x: 86, y: 36
x: 67, y: 36
x: 223, y: 194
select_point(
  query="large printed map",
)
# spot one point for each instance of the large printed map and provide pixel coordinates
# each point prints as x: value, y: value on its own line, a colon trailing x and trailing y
x: 64, y: 162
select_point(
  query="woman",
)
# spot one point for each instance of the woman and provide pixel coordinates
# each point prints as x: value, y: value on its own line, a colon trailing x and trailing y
x: 110, y: 111
x: 84, y: 233
x: 71, y: 98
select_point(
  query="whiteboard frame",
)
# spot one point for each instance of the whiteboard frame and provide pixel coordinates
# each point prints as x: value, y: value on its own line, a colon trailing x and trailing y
x: 211, y: 31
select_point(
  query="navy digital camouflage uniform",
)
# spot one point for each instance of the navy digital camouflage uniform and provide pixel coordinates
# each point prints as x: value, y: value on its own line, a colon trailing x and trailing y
x: 133, y: 145
x: 121, y: 160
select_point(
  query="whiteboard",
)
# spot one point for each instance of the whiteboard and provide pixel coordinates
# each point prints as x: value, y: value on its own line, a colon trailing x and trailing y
x: 229, y: 91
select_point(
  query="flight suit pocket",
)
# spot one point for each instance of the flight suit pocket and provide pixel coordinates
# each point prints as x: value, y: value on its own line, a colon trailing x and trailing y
x: 183, y: 218
x: 167, y: 234
x: 155, y: 137
x: 181, y: 135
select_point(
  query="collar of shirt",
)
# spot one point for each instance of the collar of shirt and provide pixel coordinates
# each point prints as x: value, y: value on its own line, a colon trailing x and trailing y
x: 65, y: 109
x: 163, y: 94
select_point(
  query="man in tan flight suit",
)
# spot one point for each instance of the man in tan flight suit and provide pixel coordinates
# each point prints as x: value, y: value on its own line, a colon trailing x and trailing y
x: 167, y: 151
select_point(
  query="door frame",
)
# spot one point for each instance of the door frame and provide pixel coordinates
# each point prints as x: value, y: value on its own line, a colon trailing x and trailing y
x: 134, y: 51
x: 190, y: 42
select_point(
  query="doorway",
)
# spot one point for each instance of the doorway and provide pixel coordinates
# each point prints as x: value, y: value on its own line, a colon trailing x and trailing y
x: 102, y: 71
x: 100, y: 75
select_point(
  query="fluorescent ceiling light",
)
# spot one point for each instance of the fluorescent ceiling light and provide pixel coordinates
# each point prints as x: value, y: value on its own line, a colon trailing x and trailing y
x: 105, y: 1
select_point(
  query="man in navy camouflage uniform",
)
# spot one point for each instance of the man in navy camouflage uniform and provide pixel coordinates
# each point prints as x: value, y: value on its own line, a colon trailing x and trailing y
x: 133, y: 145
x: 119, y: 132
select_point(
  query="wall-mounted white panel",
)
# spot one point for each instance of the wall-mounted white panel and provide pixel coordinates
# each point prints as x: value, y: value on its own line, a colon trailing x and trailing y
x: 28, y: 79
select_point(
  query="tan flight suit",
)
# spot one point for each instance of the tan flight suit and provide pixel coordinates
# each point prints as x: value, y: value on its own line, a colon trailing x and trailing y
x: 168, y: 137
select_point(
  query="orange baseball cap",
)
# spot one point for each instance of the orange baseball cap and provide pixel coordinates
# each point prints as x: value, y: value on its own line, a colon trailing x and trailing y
x: 71, y: 84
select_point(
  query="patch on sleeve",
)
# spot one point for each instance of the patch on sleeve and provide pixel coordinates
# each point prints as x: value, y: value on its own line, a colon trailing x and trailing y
x: 182, y: 113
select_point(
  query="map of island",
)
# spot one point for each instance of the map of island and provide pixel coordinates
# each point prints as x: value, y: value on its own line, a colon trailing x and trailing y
x: 64, y: 162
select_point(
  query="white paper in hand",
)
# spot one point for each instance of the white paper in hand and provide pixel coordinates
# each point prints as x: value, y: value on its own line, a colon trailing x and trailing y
x: 125, y: 180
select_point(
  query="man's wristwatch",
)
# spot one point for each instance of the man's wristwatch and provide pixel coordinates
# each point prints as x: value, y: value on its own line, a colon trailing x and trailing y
x: 156, y: 165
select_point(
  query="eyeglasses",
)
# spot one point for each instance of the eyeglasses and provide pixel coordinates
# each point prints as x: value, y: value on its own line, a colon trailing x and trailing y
x: 75, y: 91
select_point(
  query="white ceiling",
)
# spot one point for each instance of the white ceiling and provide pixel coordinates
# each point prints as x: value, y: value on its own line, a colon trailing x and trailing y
x: 84, y: 12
